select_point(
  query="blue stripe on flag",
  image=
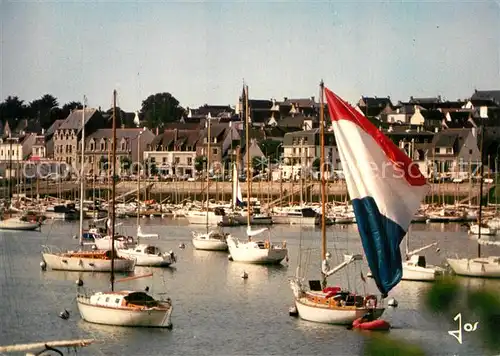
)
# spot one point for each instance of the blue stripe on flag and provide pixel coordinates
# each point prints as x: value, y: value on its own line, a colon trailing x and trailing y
x: 381, y: 238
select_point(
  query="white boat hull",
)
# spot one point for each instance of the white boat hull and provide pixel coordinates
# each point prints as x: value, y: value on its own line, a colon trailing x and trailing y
x: 123, y: 316
x: 486, y: 267
x: 246, y: 252
x: 146, y: 260
x: 20, y: 225
x: 325, y: 315
x: 417, y: 273
x: 201, y: 219
x: 486, y: 231
x: 209, y: 244
x: 63, y: 263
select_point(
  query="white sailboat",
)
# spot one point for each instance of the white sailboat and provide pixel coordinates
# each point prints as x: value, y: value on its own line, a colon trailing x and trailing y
x: 250, y: 251
x: 17, y: 223
x: 127, y: 307
x: 486, y: 267
x: 381, y: 215
x: 210, y: 240
x: 145, y: 254
x: 85, y: 261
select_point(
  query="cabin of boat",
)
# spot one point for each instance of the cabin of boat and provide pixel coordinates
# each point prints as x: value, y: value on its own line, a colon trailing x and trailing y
x: 335, y: 298
x: 127, y: 299
x: 96, y: 255
x: 416, y: 260
x: 147, y: 249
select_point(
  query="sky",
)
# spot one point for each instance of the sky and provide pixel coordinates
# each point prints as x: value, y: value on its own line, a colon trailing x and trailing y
x: 202, y: 52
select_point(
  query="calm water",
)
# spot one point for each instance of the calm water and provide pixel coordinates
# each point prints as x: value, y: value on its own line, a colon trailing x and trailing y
x: 216, y: 312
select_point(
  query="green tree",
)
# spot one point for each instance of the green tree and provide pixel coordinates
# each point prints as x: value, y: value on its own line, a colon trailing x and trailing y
x: 316, y: 164
x: 43, y: 110
x: 161, y: 108
x: 200, y: 163
x: 12, y: 109
x: 125, y: 162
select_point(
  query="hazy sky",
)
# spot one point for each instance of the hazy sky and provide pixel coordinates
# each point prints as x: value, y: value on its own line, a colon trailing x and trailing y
x: 200, y: 52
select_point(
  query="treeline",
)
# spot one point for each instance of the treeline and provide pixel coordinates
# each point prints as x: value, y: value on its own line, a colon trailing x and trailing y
x: 156, y: 110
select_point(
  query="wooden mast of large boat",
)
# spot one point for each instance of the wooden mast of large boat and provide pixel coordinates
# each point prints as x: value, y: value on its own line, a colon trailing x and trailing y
x: 323, y: 181
x: 82, y: 174
x: 113, y: 188
x: 481, y: 172
x: 208, y: 169
x: 247, y: 154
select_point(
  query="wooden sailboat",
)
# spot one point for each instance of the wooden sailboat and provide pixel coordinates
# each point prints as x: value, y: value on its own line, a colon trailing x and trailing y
x: 126, y: 307
x: 86, y: 261
x: 259, y: 251
x: 486, y: 267
x: 381, y: 214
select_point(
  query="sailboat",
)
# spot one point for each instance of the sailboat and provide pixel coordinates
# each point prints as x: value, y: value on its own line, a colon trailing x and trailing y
x: 145, y: 254
x: 207, y: 216
x: 382, y: 215
x: 487, y: 267
x: 126, y: 307
x: 250, y: 251
x: 210, y: 240
x: 87, y: 261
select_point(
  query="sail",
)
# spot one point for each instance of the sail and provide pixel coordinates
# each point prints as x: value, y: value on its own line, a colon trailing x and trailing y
x: 251, y: 232
x: 237, y: 196
x: 385, y: 186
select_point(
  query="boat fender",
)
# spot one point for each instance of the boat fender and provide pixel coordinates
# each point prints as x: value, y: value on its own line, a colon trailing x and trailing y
x: 371, y: 301
x: 130, y: 239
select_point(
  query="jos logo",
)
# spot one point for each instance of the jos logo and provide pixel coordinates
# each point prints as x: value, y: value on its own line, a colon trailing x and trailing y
x: 468, y: 327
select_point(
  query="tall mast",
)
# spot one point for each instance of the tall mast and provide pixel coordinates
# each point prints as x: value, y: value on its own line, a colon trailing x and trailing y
x: 138, y: 183
x: 208, y: 168
x: 247, y: 153
x: 82, y: 173
x: 481, y: 172
x: 113, y: 186
x: 322, y: 172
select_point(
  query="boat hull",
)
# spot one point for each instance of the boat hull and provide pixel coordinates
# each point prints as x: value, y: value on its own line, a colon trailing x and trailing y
x: 326, y: 315
x: 257, y: 256
x: 64, y: 263
x: 18, y: 225
x: 417, y: 273
x: 209, y: 244
x: 105, y: 315
x: 198, y: 219
x: 485, y: 267
x: 146, y: 260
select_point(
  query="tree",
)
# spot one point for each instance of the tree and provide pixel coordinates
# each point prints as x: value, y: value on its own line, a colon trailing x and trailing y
x: 68, y: 107
x: 161, y: 108
x: 271, y: 148
x: 200, y: 163
x: 316, y: 164
x: 41, y: 110
x: 12, y: 110
x: 125, y: 162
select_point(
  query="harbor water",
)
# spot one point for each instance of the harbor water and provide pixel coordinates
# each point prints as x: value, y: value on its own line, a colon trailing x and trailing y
x: 216, y: 312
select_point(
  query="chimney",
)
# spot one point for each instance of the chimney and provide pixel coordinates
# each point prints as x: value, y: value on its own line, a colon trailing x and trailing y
x: 436, y: 129
x: 312, y: 98
x: 176, y: 135
x: 285, y: 98
x: 43, y: 131
x: 157, y: 131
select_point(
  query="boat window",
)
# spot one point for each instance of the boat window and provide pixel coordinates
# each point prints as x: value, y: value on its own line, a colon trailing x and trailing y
x: 117, y: 300
x: 107, y: 299
x: 138, y: 250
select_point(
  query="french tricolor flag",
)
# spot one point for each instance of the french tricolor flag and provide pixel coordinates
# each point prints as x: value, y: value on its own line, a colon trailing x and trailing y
x: 385, y: 186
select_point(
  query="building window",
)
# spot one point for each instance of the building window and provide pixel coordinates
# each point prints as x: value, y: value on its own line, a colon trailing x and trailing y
x: 214, y: 151
x: 190, y: 161
x: 103, y: 146
x: 436, y: 150
x: 449, y: 150
x: 177, y: 160
x: 164, y: 160
x: 470, y: 151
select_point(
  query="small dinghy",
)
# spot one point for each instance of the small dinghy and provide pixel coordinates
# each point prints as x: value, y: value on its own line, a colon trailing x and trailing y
x: 365, y: 323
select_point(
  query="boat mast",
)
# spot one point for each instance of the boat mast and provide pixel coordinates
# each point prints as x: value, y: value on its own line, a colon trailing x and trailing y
x: 208, y: 169
x: 113, y: 187
x: 82, y: 174
x: 247, y: 153
x: 481, y: 172
x: 322, y: 172
x: 138, y: 184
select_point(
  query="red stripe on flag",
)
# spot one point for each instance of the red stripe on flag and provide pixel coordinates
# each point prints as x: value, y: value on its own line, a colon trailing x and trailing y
x: 341, y: 110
